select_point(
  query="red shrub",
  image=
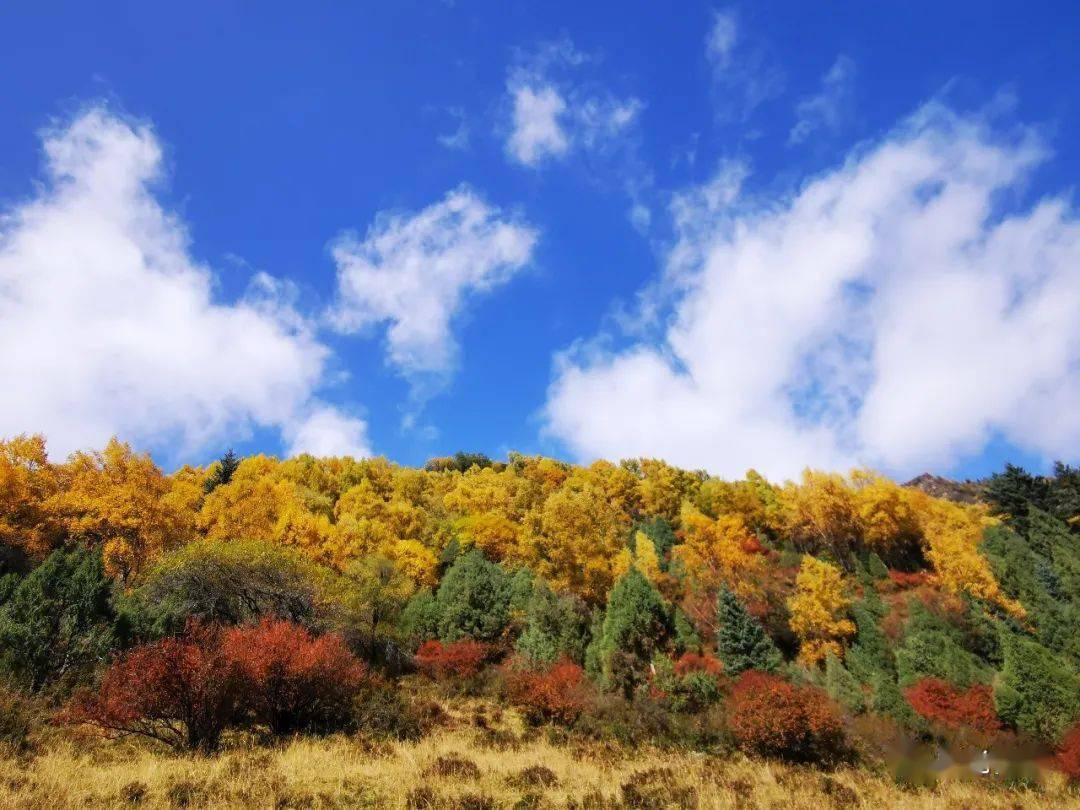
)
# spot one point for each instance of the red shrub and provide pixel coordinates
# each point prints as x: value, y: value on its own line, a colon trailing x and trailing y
x: 1068, y: 755
x: 462, y: 659
x: 558, y: 694
x: 902, y: 579
x: 771, y: 717
x: 692, y: 662
x: 186, y: 691
x: 180, y: 691
x: 941, y: 702
x: 295, y: 682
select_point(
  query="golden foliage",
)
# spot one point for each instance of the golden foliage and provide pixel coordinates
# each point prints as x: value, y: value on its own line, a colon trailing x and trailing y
x: 721, y: 552
x: 818, y: 610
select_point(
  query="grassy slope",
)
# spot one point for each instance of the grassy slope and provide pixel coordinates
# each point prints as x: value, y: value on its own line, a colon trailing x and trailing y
x: 351, y: 772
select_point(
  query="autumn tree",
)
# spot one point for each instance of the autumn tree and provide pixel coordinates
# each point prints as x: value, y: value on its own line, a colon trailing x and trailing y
x: 117, y: 500
x: 821, y: 513
x: 721, y: 551
x: 818, y: 610
x: 27, y: 482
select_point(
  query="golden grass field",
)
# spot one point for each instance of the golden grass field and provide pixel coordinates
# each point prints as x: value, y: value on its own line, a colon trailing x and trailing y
x: 462, y: 766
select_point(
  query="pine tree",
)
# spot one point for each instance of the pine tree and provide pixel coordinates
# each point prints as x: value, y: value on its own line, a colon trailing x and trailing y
x: 741, y: 641
x: 686, y: 637
x: 888, y: 700
x: 473, y: 599
x: 637, y: 624
x: 876, y: 567
x: 223, y: 472
x: 1037, y: 691
x: 842, y: 686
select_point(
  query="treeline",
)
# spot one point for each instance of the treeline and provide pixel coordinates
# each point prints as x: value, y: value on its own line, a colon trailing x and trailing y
x: 809, y: 620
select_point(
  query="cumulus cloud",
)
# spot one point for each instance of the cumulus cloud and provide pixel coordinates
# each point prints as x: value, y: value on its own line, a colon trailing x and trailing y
x: 415, y: 272
x: 744, y: 74
x: 826, y: 109
x: 110, y: 327
x: 893, y: 311
x: 553, y: 112
x: 326, y: 431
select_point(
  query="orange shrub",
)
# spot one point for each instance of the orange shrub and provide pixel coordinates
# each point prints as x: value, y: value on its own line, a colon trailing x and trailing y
x: 461, y: 659
x: 1068, y: 755
x: 692, y: 662
x: 558, y: 694
x: 773, y: 718
x: 941, y: 702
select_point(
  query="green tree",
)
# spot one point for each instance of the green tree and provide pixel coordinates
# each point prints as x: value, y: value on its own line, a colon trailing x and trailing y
x: 59, y: 624
x: 662, y: 535
x: 222, y: 472
x: 686, y: 637
x: 741, y: 641
x: 473, y: 599
x: 636, y: 625
x: 871, y: 652
x: 887, y: 700
x: 842, y: 686
x: 1037, y: 692
x: 556, y: 625
x: 419, y: 621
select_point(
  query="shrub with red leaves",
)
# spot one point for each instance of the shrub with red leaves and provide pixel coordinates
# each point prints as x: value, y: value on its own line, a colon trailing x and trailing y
x: 294, y: 681
x: 692, y: 662
x: 461, y: 659
x: 557, y: 694
x: 940, y: 702
x: 773, y: 718
x: 1067, y: 758
x: 180, y: 691
x: 902, y: 579
x: 186, y: 691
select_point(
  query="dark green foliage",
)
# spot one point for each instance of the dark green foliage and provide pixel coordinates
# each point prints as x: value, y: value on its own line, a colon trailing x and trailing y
x: 419, y: 621
x: 876, y: 567
x: 224, y: 583
x: 686, y: 637
x: 935, y: 653
x: 637, y: 624
x: 1065, y: 494
x: 662, y: 535
x: 222, y: 472
x: 521, y: 591
x: 870, y: 653
x: 741, y: 641
x: 460, y: 461
x: 59, y: 624
x: 449, y: 554
x: 1037, y: 691
x: 473, y: 599
x: 842, y: 686
x: 556, y: 625
x: 887, y: 699
x: 1015, y: 490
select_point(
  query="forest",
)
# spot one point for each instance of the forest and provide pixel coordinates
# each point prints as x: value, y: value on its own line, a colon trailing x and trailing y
x: 531, y: 633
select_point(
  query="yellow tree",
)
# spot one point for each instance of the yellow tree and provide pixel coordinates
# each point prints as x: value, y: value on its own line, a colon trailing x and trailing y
x: 887, y: 520
x: 120, y: 500
x: 820, y: 513
x: 818, y: 609
x: 662, y: 487
x: 27, y: 482
x: 953, y: 533
x: 721, y: 552
x: 643, y: 557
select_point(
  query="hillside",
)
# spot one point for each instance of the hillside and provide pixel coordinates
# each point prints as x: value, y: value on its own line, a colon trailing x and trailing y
x: 603, y: 622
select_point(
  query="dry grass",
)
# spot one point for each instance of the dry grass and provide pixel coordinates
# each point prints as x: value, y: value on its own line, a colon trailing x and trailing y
x: 462, y: 766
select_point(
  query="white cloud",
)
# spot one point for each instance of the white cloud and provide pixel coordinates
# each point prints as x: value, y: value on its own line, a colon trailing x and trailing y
x: 326, y: 431
x: 889, y: 312
x: 458, y: 139
x: 744, y: 74
x: 554, y: 113
x: 109, y: 326
x: 827, y: 108
x: 415, y: 272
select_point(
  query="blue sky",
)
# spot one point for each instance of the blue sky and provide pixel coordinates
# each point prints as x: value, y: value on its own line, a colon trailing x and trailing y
x: 759, y: 235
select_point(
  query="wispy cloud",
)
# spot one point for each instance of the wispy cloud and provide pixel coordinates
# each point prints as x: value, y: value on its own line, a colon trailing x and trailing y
x: 744, y: 73
x: 826, y: 109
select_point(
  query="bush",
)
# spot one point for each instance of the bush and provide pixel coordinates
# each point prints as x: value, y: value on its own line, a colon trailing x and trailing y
x: 1037, y: 692
x: 557, y: 694
x: 692, y: 662
x: 940, y: 702
x: 17, y: 721
x: 462, y: 659
x: 58, y: 624
x: 773, y: 718
x: 180, y: 691
x: 1067, y: 758
x: 186, y: 691
x: 382, y: 711
x: 293, y: 681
